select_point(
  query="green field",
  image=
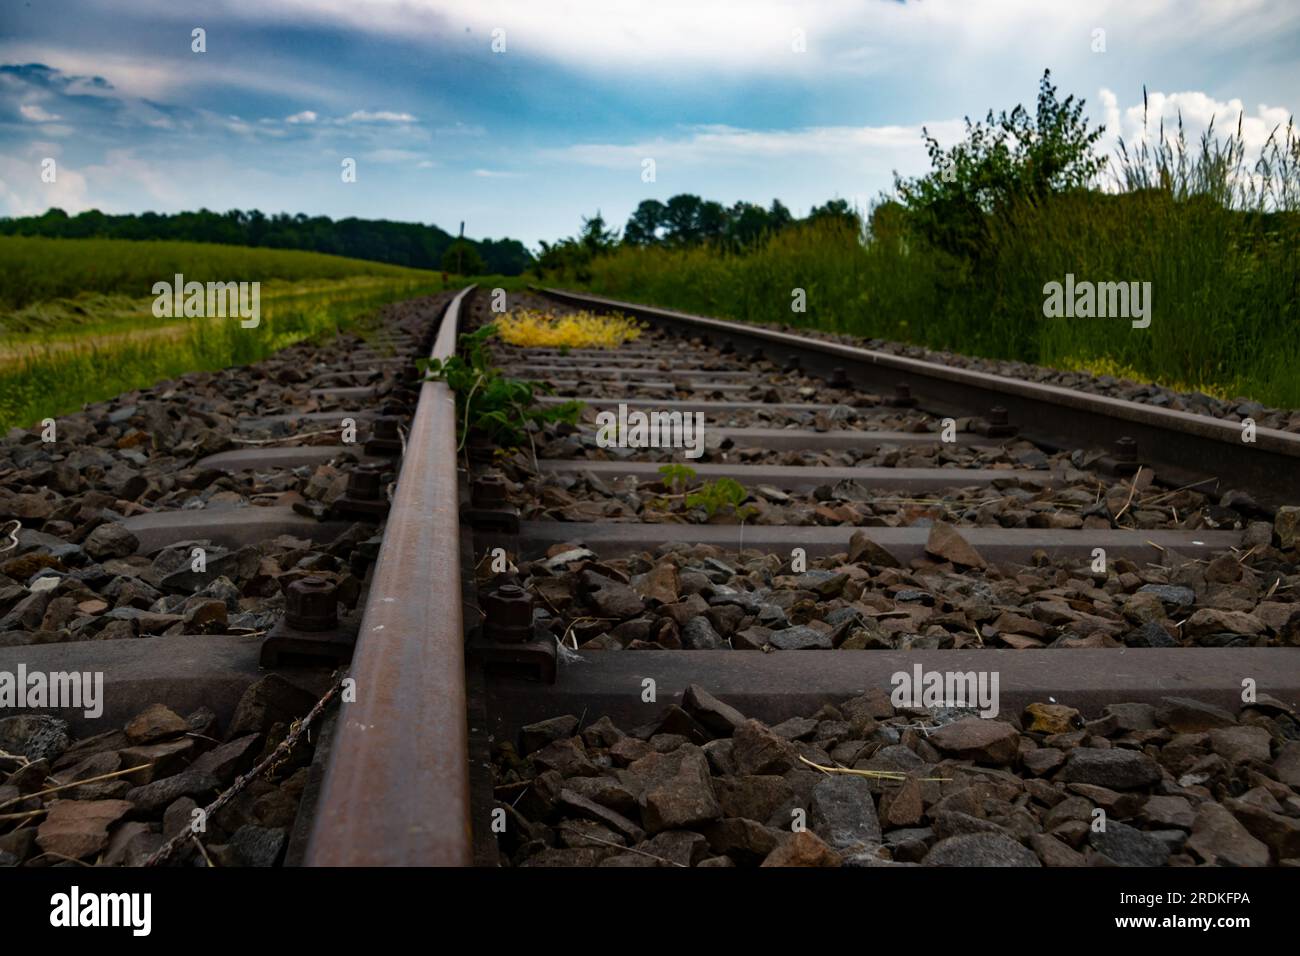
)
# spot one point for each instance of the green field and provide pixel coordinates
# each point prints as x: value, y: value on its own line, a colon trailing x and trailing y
x: 77, y: 325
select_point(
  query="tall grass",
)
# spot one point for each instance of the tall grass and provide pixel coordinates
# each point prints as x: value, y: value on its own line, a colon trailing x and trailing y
x: 1217, y: 238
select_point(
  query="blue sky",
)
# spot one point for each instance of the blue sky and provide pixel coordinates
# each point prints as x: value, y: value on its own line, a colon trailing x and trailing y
x: 525, y: 141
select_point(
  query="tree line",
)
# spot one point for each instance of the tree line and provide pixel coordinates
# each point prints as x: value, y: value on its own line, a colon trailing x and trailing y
x: 378, y: 240
x: 684, y: 221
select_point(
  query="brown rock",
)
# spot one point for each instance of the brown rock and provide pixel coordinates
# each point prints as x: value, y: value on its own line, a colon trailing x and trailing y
x: 863, y: 549
x: 161, y: 759
x: 758, y: 750
x: 154, y: 723
x: 1280, y: 833
x: 906, y: 807
x: 678, y: 789
x: 79, y: 828
x: 718, y: 718
x: 803, y: 848
x: 661, y: 584
x: 1287, y: 764
x: 1209, y: 620
x: 946, y: 542
x: 1220, y: 839
x: 1184, y: 715
x: 1241, y: 744
x: 975, y: 738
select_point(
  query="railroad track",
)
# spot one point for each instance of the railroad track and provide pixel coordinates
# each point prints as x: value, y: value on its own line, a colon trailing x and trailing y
x: 941, y: 519
x: 897, y: 515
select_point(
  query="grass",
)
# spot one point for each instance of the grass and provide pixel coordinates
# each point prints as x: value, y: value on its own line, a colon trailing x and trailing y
x: 38, y: 270
x: 1218, y: 241
x: 97, y: 337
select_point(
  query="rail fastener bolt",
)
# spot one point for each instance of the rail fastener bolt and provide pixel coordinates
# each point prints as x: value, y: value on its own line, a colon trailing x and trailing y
x: 508, y: 614
x: 364, y: 497
x: 479, y: 447
x: 997, y: 424
x: 385, y: 436
x: 903, y: 397
x: 488, y: 491
x: 1123, y: 459
x: 311, y: 604
x: 310, y: 629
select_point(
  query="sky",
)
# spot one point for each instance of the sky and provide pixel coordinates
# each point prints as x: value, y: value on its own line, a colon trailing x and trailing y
x: 521, y: 117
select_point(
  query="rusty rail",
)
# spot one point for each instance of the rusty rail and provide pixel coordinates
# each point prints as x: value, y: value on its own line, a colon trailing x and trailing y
x: 396, y: 789
x: 1184, y: 448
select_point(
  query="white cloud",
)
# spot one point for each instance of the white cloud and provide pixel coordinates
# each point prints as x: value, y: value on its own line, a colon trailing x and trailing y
x: 37, y: 114
x: 495, y: 174
x: 382, y: 116
x: 22, y: 191
x: 1197, y: 111
x: 306, y: 116
x: 710, y: 145
x: 132, y: 75
x: 630, y: 35
x: 391, y: 156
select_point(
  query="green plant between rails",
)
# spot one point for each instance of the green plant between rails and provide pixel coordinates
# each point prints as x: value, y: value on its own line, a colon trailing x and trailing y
x: 712, y: 497
x: 501, y: 408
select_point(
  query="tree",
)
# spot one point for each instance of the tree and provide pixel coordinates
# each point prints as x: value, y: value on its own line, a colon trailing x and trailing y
x: 595, y: 238
x: 463, y: 259
x: 1002, y: 161
x: 837, y: 209
x: 643, y: 226
x: 681, y: 219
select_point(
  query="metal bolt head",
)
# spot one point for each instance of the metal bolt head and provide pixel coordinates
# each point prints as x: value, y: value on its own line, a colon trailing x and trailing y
x: 508, y: 614
x: 1126, y: 449
x: 385, y: 427
x: 998, y: 415
x: 311, y: 604
x: 365, y: 483
x: 839, y: 378
x: 479, y: 447
x: 488, y: 491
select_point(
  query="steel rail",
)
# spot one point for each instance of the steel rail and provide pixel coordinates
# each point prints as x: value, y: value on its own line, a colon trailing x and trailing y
x: 396, y: 788
x: 1182, y: 447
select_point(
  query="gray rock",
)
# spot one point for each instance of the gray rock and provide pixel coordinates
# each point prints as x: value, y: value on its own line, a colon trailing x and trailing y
x: 980, y: 849
x: 155, y: 796
x: 800, y: 639
x: 111, y: 540
x: 1129, y: 846
x: 36, y: 736
x: 843, y: 813
x: 1172, y: 595
x: 699, y: 635
x: 1115, y: 768
x: 257, y: 846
